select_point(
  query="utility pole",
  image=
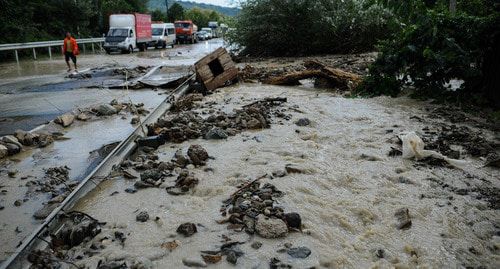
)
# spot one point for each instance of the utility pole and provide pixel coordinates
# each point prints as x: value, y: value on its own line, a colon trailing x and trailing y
x: 166, y: 5
x: 453, y: 6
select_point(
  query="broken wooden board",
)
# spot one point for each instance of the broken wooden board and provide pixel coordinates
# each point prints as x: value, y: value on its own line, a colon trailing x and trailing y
x: 215, y: 69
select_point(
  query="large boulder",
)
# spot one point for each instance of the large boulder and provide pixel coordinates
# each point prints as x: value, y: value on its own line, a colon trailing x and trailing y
x: 270, y: 227
x: 197, y: 154
x: 11, y: 140
x: 65, y: 120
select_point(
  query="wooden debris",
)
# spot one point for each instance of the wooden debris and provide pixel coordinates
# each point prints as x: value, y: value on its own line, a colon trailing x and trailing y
x: 215, y: 69
x: 315, y: 69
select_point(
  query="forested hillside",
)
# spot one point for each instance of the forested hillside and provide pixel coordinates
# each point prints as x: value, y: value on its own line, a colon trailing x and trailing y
x: 160, y: 4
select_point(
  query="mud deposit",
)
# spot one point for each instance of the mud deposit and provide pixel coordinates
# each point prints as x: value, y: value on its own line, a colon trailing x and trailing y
x: 317, y: 188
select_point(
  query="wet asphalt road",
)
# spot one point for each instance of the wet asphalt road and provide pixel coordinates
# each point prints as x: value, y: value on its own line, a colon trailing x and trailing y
x: 34, y: 92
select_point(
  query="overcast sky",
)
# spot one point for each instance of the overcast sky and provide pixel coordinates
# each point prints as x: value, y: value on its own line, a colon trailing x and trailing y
x: 224, y: 3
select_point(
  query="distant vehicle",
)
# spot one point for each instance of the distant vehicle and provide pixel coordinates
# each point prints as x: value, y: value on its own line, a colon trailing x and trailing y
x: 215, y: 28
x: 128, y: 32
x: 202, y: 35
x: 163, y: 34
x: 209, y: 32
x: 185, y: 31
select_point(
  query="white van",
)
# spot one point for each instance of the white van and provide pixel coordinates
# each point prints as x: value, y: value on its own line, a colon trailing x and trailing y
x: 163, y: 34
x: 209, y: 31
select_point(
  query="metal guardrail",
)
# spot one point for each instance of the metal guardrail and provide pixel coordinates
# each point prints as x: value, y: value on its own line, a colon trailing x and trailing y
x: 47, y: 44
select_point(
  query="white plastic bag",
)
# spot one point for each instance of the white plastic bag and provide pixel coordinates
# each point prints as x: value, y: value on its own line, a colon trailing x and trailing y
x: 413, y: 147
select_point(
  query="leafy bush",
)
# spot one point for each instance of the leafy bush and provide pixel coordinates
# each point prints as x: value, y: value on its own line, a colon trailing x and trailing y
x: 304, y: 27
x: 436, y: 48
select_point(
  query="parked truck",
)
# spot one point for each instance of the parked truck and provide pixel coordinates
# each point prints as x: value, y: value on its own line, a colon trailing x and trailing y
x: 128, y: 32
x: 163, y: 34
x: 185, y: 32
x: 215, y: 28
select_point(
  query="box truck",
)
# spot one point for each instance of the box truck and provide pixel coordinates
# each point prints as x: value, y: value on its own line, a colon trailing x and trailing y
x: 163, y: 34
x: 185, y: 31
x: 128, y: 32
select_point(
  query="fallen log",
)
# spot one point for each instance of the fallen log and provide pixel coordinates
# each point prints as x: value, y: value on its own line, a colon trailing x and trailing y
x: 314, y: 69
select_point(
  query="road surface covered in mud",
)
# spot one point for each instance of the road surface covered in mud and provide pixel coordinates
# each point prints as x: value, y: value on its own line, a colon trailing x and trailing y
x: 316, y: 180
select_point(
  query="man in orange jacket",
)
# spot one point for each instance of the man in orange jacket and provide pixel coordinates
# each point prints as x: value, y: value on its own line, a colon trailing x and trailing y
x: 70, y: 50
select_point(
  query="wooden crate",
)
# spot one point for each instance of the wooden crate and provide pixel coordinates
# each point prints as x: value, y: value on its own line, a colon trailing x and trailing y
x: 215, y: 69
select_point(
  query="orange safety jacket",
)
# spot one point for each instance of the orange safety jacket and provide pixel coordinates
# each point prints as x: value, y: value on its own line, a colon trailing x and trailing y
x: 76, y: 51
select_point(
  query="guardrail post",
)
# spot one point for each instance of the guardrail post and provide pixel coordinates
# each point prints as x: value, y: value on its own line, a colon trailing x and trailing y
x: 34, y: 54
x: 17, y: 57
x: 83, y: 48
x: 93, y: 51
x: 50, y: 53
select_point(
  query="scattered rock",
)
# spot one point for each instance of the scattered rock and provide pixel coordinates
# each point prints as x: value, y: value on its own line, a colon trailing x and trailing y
x: 135, y: 120
x: 187, y: 229
x: 403, y: 218
x: 212, y: 258
x: 12, y: 148
x: 216, y: 133
x: 194, y: 262
x: 105, y: 110
x: 10, y: 139
x: 300, y: 252
x: 292, y: 168
x: 279, y: 173
x: 270, y: 227
x: 82, y: 117
x: 143, y: 216
x: 275, y: 263
x: 197, y: 154
x: 3, y: 151
x: 65, y: 120
x: 232, y: 257
x: 18, y: 202
x: 303, y: 122
x: 12, y: 173
x: 170, y: 245
x: 293, y: 220
x: 256, y: 245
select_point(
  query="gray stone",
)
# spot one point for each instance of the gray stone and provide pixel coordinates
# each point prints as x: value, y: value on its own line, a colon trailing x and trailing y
x: 106, y: 110
x: 403, y: 218
x: 232, y: 257
x: 216, y: 133
x: 82, y: 117
x: 143, y: 216
x: 141, y: 263
x: 194, y: 262
x: 270, y: 227
x: 12, y: 148
x: 303, y: 122
x: 256, y: 245
x: 187, y: 229
x: 65, y: 120
x: 300, y: 252
x: 293, y: 220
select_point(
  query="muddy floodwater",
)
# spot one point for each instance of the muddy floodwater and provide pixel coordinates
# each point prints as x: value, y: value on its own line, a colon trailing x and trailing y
x: 346, y: 189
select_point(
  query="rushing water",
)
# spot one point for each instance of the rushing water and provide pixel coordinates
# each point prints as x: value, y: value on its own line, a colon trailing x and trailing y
x: 347, y: 202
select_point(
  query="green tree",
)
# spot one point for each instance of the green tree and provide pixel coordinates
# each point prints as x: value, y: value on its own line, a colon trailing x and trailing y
x: 175, y: 12
x: 158, y: 15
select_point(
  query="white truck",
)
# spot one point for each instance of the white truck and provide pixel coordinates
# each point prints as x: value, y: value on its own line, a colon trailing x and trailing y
x: 163, y: 34
x: 128, y: 32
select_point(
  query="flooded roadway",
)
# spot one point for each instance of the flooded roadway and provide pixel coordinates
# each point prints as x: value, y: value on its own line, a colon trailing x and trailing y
x: 35, y: 92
